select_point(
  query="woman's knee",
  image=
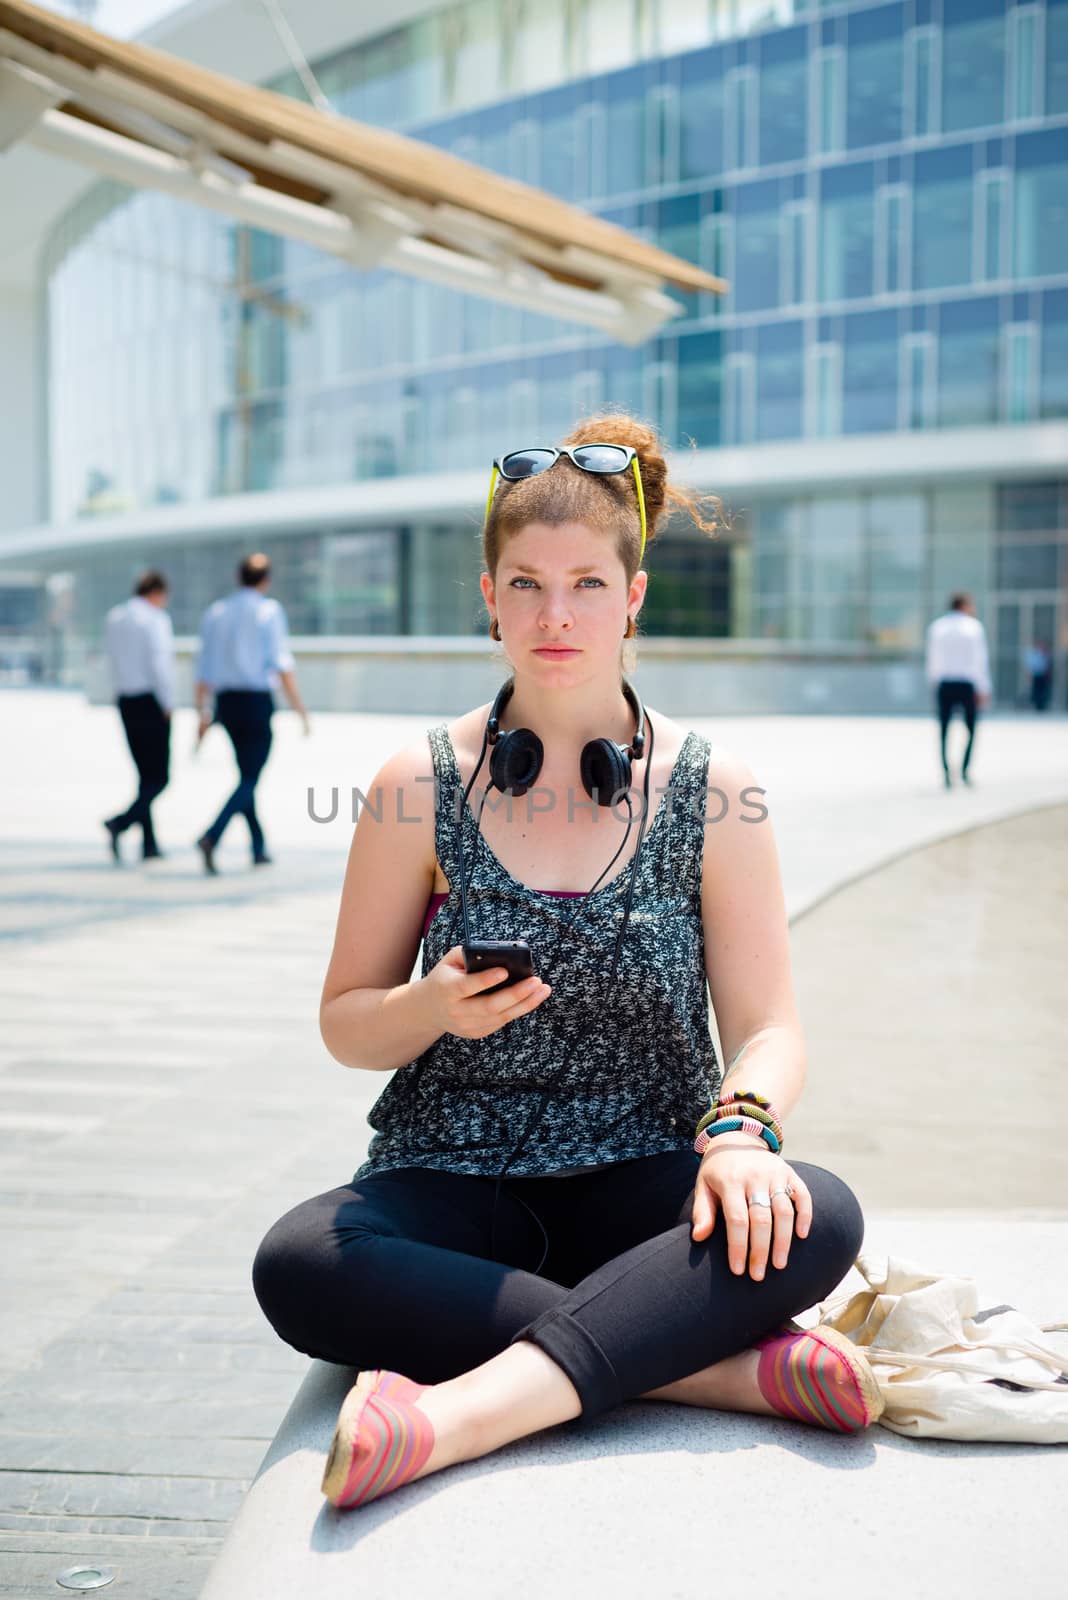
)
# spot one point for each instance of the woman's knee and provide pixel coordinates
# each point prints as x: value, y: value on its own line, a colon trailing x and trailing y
x: 837, y: 1228
x: 294, y: 1270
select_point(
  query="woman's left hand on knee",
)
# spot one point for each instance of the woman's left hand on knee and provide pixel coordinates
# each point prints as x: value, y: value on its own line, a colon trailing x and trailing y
x: 727, y: 1179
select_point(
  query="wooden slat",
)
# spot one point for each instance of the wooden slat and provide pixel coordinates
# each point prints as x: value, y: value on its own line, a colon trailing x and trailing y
x: 405, y: 165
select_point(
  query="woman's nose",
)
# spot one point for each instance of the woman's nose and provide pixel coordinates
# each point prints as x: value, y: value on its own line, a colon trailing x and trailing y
x: 555, y: 611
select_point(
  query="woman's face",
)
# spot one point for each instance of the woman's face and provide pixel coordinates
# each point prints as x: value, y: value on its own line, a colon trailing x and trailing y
x: 561, y: 586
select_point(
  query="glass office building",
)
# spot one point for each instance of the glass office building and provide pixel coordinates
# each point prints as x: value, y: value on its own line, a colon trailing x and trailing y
x: 884, y: 186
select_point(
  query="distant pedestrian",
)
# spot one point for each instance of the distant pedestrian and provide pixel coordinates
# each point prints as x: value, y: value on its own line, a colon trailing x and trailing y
x: 140, y: 641
x: 1039, y: 661
x: 958, y: 669
x: 244, y: 651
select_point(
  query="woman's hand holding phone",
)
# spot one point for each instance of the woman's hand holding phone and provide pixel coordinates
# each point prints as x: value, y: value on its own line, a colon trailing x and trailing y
x: 462, y: 1005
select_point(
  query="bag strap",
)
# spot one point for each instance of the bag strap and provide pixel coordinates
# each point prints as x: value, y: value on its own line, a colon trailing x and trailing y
x: 903, y: 1358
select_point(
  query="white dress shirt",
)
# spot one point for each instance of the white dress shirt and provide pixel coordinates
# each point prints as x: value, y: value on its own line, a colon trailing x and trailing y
x: 956, y: 648
x: 140, y: 639
x: 244, y: 642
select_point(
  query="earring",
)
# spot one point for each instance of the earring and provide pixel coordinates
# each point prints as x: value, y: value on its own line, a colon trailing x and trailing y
x: 495, y: 631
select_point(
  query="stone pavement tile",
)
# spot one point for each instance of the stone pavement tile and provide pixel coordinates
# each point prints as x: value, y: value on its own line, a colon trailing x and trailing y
x: 146, y: 1573
x: 167, y: 1355
x: 184, y: 1455
x: 97, y: 1494
x: 139, y: 1528
x: 151, y: 1389
x: 224, y: 1417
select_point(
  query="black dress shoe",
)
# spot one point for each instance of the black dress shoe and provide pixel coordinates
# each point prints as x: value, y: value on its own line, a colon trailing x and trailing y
x: 113, y: 836
x: 206, y: 847
x: 263, y: 861
x: 153, y: 855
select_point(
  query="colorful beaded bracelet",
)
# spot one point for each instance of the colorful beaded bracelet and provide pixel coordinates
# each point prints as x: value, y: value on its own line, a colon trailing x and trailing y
x: 743, y: 1109
x: 736, y: 1125
x: 727, y: 1095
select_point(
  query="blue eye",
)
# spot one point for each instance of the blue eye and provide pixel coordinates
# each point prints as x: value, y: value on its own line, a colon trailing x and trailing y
x: 588, y: 579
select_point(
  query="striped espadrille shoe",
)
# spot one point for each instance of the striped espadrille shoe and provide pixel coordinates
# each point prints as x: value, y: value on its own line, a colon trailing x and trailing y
x: 817, y: 1375
x: 382, y: 1439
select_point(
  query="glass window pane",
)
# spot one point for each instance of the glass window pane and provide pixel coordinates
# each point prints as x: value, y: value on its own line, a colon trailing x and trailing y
x: 1041, y: 210
x: 783, y: 85
x: 758, y: 228
x: 1029, y: 507
x: 993, y: 193
x: 1056, y: 53
x: 973, y: 63
x: 847, y: 221
x: 1053, y: 393
x: 624, y: 102
x: 1019, y: 377
x: 779, y: 381
x: 923, y: 54
x: 740, y: 126
x: 539, y: 44
x: 874, y: 76
x: 473, y: 50
x: 831, y: 576
x: 701, y: 111
x: 829, y: 78
x: 700, y: 389
x: 870, y: 369
x: 606, y: 32
x: 682, y: 25
x: 942, y: 218
x: 897, y: 556
x: 893, y: 264
x: 968, y: 363
x: 1025, y: 43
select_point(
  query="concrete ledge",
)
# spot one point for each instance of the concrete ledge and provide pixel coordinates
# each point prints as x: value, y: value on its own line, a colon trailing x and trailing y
x: 642, y: 1502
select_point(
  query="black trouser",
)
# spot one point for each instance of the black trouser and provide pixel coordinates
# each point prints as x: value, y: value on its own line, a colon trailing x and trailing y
x: 1041, y: 684
x: 148, y: 733
x: 246, y: 716
x: 954, y: 692
x: 396, y: 1271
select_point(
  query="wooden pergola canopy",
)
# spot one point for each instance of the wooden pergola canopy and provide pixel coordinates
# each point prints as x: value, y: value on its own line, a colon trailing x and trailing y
x: 371, y: 196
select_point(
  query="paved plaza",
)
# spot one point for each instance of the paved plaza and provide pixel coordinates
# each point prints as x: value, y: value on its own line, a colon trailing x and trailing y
x: 164, y: 1096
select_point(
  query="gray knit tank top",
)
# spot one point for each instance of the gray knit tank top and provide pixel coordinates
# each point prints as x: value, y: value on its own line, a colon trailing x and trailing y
x: 644, y: 1073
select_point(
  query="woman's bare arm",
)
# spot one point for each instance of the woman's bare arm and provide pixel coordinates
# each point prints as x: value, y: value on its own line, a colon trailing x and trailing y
x: 747, y: 944
x: 372, y: 1014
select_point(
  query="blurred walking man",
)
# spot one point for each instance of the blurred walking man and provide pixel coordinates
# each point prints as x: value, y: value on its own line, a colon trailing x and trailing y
x: 958, y: 669
x: 140, y: 642
x: 244, y: 650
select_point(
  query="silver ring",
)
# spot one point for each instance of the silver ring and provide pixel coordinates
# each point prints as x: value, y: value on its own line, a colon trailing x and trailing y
x: 760, y: 1199
x: 788, y: 1192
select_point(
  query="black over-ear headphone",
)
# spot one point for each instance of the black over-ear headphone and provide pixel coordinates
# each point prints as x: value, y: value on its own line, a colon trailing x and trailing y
x: 516, y: 754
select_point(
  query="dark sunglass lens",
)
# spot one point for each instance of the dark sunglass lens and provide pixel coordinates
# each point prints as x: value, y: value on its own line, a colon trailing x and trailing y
x: 601, y: 457
x: 526, y: 463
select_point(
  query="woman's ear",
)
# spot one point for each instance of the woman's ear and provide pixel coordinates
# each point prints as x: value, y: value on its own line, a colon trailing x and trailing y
x: 487, y: 586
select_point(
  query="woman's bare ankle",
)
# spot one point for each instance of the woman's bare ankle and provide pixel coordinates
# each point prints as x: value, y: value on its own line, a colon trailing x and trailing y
x: 728, y: 1385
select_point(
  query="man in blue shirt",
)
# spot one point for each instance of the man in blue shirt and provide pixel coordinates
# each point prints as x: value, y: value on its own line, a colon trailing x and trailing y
x: 140, y: 641
x: 244, y: 652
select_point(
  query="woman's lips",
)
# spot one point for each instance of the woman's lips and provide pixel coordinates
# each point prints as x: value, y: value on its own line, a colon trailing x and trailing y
x: 555, y: 650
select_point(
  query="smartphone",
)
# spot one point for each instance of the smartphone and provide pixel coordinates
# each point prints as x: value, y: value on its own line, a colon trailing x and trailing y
x: 514, y: 954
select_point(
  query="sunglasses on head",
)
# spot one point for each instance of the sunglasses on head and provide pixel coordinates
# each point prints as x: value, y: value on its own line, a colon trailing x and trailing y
x: 600, y: 459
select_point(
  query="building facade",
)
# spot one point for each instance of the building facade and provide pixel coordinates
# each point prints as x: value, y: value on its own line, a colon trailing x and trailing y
x: 881, y: 400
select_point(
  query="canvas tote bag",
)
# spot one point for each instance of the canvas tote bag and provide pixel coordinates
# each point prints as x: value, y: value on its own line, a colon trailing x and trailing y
x: 946, y: 1368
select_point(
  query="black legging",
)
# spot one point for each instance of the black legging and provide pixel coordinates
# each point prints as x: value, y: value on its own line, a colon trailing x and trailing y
x: 395, y: 1272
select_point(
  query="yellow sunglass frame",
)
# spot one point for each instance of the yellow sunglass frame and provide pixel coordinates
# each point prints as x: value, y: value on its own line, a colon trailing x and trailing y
x: 569, y: 452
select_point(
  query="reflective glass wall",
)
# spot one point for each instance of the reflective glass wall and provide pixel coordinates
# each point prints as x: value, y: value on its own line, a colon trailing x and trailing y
x: 884, y: 185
